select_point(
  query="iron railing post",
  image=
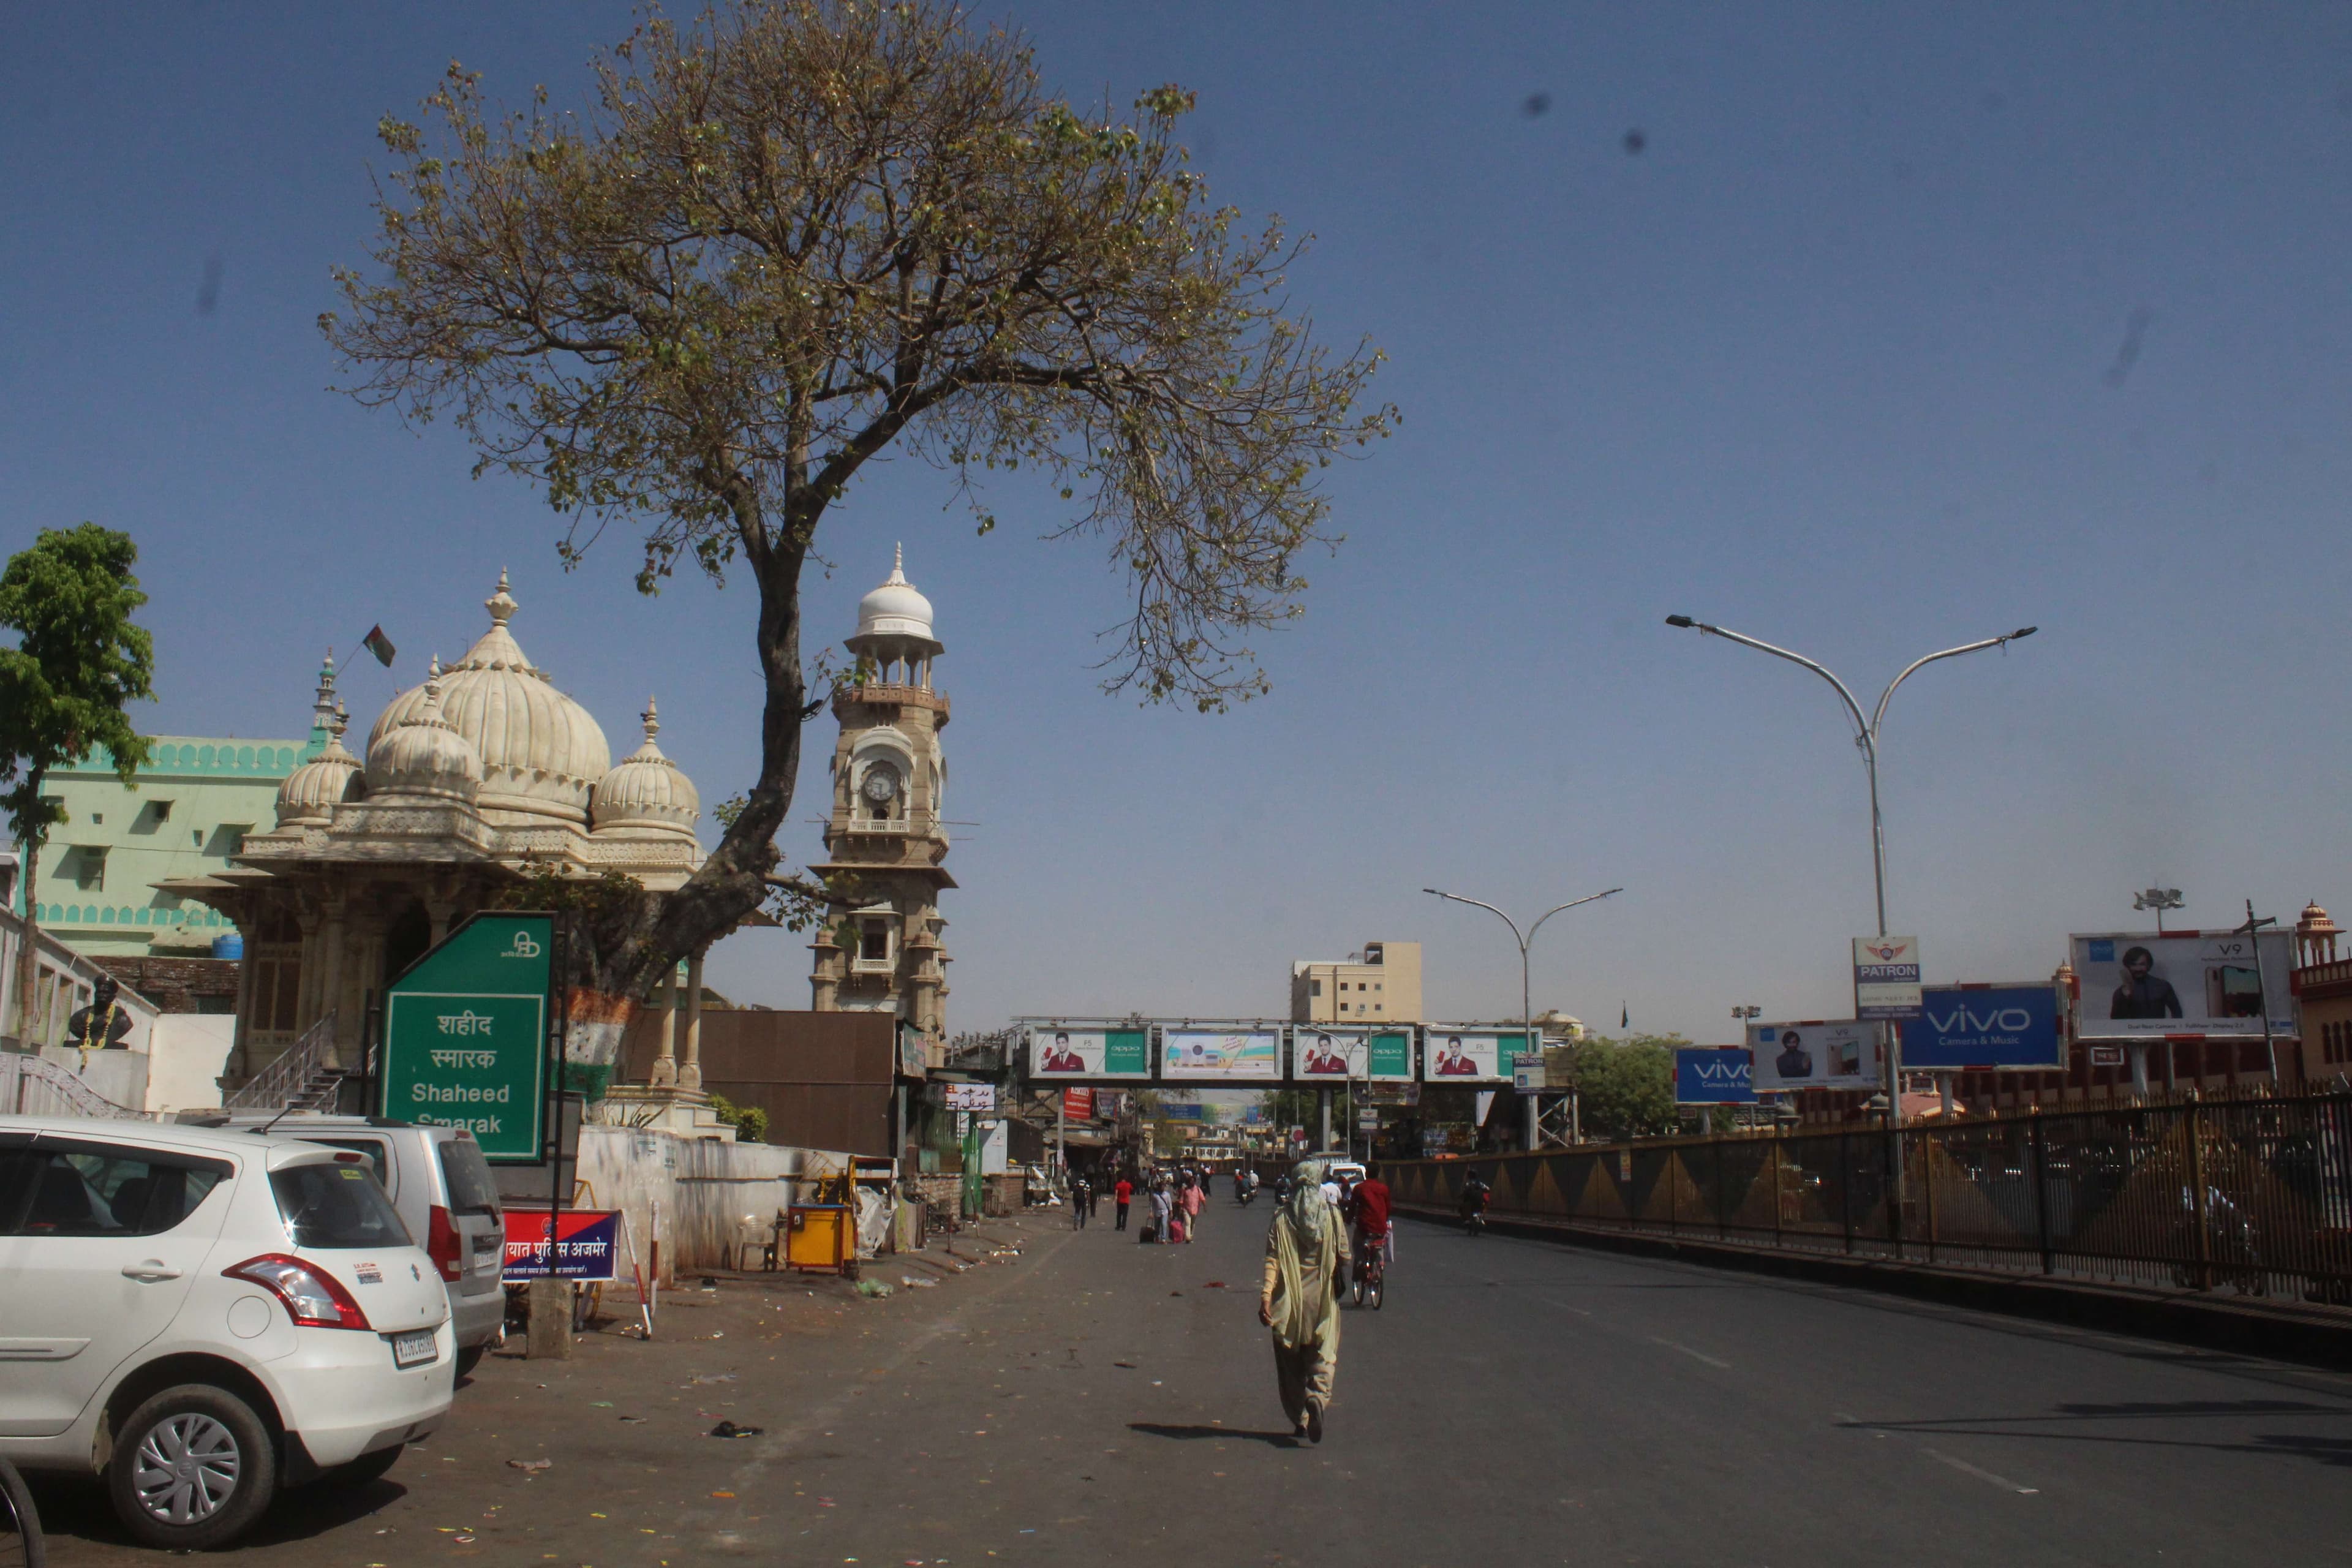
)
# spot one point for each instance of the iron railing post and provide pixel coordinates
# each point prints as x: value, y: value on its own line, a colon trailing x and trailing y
x: 1774, y: 1144
x: 1722, y: 1195
x: 1927, y: 1188
x: 2198, y: 1204
x: 2042, y: 1191
x: 1895, y: 1188
x: 1845, y: 1186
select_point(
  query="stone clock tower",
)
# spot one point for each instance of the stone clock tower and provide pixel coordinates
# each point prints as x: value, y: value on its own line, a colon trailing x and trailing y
x: 880, y: 950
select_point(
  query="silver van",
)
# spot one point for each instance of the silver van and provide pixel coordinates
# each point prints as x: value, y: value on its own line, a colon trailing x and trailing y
x: 446, y: 1194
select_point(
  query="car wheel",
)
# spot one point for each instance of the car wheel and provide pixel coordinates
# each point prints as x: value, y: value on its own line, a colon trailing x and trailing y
x: 469, y: 1358
x: 193, y: 1468
x: 366, y: 1467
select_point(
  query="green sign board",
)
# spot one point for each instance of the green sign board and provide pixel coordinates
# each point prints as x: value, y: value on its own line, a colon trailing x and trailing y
x: 1390, y: 1056
x: 1124, y: 1052
x: 465, y: 1034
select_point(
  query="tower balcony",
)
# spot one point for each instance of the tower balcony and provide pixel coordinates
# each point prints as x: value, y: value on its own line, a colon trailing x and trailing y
x: 920, y: 824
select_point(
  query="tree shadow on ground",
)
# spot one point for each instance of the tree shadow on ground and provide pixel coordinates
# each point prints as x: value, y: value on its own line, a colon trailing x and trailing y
x: 1160, y: 1429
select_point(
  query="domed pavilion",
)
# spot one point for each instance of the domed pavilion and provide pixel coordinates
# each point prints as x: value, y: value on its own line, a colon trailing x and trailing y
x: 482, y: 775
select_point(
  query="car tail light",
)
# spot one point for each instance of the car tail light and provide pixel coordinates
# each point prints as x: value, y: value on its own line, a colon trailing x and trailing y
x: 314, y: 1299
x: 443, y: 1244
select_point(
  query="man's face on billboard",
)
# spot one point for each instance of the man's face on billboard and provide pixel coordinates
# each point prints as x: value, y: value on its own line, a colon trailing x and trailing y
x: 2138, y: 964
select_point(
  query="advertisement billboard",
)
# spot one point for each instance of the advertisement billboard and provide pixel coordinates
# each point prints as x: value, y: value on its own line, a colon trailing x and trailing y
x: 1329, y: 1054
x: 1230, y: 1056
x: 1714, y: 1075
x: 1451, y: 1053
x: 1077, y: 1105
x: 1976, y: 1026
x: 1839, y: 1054
x: 1389, y: 1059
x: 2181, y: 984
x: 1886, y: 977
x: 971, y: 1096
x: 1057, y: 1052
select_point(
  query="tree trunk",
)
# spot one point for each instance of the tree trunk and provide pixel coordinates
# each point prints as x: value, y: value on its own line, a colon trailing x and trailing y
x: 28, y: 946
x: 732, y: 882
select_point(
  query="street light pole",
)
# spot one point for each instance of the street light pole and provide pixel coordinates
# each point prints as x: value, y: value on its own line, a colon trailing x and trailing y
x: 1527, y: 1003
x: 1865, y: 738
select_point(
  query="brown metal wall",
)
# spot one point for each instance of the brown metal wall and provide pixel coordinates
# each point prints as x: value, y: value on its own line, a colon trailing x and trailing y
x: 824, y: 1079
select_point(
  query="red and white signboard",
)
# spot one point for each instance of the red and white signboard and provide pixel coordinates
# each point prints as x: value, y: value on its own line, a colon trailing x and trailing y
x: 1079, y: 1105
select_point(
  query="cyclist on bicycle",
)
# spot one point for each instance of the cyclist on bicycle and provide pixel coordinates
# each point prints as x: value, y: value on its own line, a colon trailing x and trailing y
x: 1368, y: 1208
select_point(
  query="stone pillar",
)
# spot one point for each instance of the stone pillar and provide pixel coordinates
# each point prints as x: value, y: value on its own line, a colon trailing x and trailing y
x: 243, y: 1051
x: 665, y: 1073
x: 689, y: 1070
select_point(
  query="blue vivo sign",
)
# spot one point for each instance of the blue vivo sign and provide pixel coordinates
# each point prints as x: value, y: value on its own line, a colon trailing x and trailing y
x: 1984, y: 1026
x: 1713, y: 1075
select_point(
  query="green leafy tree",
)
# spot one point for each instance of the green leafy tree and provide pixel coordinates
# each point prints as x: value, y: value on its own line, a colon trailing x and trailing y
x: 1626, y: 1088
x: 796, y: 235
x: 69, y: 599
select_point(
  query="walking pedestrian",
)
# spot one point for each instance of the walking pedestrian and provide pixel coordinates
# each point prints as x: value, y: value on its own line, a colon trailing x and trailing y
x: 1079, y: 1207
x: 1162, y: 1210
x: 1194, y: 1198
x: 1306, y: 1264
x: 1121, y: 1194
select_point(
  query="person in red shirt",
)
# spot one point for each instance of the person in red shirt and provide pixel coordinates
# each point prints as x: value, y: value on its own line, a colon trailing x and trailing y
x: 1122, y: 1194
x: 1368, y: 1207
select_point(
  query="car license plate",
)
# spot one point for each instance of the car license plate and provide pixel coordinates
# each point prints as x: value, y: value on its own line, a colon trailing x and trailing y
x: 413, y: 1350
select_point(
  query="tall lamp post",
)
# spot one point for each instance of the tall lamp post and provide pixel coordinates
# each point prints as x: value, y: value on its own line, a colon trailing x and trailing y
x: 1865, y: 739
x: 1527, y: 1003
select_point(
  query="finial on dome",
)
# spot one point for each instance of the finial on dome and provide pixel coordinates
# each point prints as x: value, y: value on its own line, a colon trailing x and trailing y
x: 898, y: 565
x: 500, y: 605
x: 652, y: 716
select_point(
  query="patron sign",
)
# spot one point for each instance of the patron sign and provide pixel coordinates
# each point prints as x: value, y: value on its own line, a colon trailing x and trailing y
x: 465, y: 1035
x: 1886, y: 977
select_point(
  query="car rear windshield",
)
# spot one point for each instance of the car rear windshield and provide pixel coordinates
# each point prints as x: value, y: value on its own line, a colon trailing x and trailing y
x: 467, y: 1176
x: 329, y: 1207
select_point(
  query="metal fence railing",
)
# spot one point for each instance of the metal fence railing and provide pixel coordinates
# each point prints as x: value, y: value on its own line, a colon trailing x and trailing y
x: 2250, y: 1195
x: 31, y: 1085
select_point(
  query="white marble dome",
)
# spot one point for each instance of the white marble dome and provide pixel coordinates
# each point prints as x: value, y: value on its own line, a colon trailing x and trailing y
x: 540, y: 753
x: 424, y: 756
x: 313, y: 790
x: 646, y: 796
x: 895, y: 609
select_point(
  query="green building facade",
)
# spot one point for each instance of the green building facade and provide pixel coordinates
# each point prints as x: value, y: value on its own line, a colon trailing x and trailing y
x: 195, y: 800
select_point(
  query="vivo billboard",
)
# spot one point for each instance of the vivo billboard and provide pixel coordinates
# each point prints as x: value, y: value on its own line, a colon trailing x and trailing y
x: 1976, y: 1026
x: 1714, y: 1075
x: 2181, y: 984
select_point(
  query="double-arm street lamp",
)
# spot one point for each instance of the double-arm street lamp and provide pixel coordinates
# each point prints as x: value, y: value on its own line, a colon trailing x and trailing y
x: 1527, y: 1003
x: 1865, y: 738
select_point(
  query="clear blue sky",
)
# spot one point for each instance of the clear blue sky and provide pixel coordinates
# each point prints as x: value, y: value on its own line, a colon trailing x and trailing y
x: 1844, y: 356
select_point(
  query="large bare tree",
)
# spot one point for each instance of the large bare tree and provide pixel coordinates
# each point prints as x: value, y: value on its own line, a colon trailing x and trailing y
x: 795, y: 234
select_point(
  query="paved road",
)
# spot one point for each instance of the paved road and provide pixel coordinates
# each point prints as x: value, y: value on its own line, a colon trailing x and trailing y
x: 1520, y: 1403
x: 1101, y: 1403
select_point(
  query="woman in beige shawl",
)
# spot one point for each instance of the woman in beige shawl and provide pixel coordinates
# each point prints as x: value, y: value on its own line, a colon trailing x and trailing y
x: 1306, y: 1259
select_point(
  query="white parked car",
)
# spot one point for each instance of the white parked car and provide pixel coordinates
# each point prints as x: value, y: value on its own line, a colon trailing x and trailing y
x: 438, y: 1180
x: 204, y: 1316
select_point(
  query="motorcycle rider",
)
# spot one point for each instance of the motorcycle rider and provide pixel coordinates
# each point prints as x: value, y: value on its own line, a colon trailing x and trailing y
x: 1475, y: 1194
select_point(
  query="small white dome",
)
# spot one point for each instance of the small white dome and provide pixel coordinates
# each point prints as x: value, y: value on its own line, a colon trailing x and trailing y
x: 425, y: 756
x: 540, y: 753
x: 313, y: 790
x: 646, y: 795
x: 895, y: 609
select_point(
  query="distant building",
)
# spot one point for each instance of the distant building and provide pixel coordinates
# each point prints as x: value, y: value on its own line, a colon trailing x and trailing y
x: 1381, y: 985
x: 2322, y: 990
x: 195, y: 800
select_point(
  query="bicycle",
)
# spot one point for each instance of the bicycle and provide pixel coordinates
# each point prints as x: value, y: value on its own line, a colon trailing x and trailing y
x: 21, y: 1544
x: 1371, y: 1272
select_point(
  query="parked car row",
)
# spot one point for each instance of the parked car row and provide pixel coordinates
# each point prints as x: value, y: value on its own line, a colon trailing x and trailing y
x: 205, y: 1314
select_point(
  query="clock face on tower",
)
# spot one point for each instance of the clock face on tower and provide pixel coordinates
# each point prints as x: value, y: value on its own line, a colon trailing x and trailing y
x: 881, y: 785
